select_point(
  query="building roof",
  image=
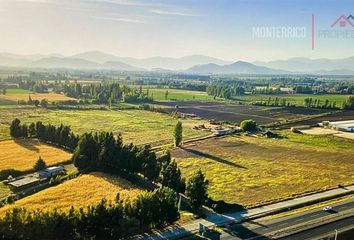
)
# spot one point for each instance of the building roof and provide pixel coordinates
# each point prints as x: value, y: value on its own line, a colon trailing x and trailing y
x: 24, y: 181
x: 342, y: 122
x: 54, y: 169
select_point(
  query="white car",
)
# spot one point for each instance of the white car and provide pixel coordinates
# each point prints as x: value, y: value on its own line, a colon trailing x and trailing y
x: 327, y: 209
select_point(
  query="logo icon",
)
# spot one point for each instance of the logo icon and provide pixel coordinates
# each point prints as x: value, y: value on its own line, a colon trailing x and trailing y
x: 343, y: 21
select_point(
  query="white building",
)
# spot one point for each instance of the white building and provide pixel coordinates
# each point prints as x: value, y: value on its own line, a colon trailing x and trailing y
x: 51, y: 172
x: 345, y: 126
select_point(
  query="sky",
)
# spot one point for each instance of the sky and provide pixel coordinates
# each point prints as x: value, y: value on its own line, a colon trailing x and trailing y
x: 173, y: 28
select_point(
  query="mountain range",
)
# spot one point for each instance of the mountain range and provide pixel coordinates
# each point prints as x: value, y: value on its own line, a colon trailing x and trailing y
x: 310, y: 65
x: 238, y: 67
x: 95, y: 60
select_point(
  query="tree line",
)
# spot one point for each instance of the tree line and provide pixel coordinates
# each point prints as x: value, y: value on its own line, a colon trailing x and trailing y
x: 105, y: 93
x: 317, y: 103
x: 275, y: 102
x: 43, y: 103
x: 103, y: 152
x: 106, y: 220
x: 224, y: 91
x: 60, y: 136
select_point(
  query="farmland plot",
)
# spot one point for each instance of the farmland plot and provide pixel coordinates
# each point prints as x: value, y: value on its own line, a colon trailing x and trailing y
x: 256, y: 170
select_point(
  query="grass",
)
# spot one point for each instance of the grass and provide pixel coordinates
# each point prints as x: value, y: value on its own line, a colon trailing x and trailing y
x: 6, y: 101
x: 82, y: 191
x: 297, y: 99
x: 137, y: 126
x: 17, y: 91
x: 323, y: 141
x: 22, y: 154
x: 4, y: 190
x: 180, y: 95
x: 51, y: 97
x: 252, y: 171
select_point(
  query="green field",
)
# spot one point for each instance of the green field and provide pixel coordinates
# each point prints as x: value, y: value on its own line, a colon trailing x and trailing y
x: 180, y: 95
x: 297, y: 99
x: 138, y: 126
x: 4, y: 102
x: 17, y: 91
x: 253, y: 171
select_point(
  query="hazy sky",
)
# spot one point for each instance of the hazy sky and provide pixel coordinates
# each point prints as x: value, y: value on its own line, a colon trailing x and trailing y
x: 142, y: 28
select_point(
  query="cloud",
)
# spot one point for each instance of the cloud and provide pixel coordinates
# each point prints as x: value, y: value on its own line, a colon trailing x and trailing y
x: 121, y: 19
x: 29, y: 1
x: 175, y: 13
x: 126, y: 3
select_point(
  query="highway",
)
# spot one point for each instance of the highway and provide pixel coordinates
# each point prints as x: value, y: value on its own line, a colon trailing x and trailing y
x: 260, y: 228
x: 324, y: 230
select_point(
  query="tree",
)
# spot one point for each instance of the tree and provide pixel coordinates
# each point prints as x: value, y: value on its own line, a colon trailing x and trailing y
x: 197, y: 190
x: 39, y: 165
x: 4, y: 91
x: 32, y: 130
x: 178, y: 134
x: 44, y: 103
x: 86, y: 153
x: 171, y: 177
x: 166, y: 94
x: 36, y: 102
x: 147, y: 159
x: 30, y: 101
x: 350, y: 102
x: 15, y: 128
x: 248, y: 125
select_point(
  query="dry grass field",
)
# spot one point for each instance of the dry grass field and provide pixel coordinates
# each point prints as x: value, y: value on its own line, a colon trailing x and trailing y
x: 21, y: 154
x: 327, y: 131
x: 82, y: 191
x: 51, y: 97
x: 255, y: 170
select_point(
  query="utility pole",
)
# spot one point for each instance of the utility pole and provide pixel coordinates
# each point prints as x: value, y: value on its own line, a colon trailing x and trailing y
x: 336, y: 234
x: 179, y: 202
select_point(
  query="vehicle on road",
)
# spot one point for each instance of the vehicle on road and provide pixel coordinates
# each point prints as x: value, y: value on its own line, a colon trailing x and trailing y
x: 327, y: 209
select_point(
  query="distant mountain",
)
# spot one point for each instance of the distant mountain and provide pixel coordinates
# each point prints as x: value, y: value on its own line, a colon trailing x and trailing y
x: 306, y: 65
x: 173, y: 63
x: 16, y: 60
x: 72, y: 63
x: 77, y: 63
x: 97, y: 57
x: 120, y: 66
x: 153, y: 62
x: 193, y: 64
x: 238, y: 67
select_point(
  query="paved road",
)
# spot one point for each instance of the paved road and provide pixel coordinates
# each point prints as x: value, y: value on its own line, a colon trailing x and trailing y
x: 213, y: 219
x: 323, y: 231
x: 259, y: 228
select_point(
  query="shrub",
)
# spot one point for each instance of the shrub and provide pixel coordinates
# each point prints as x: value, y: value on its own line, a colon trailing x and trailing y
x: 39, y: 165
x: 56, y: 180
x: 248, y: 125
x: 4, y: 174
x: 221, y: 206
x: 10, y: 199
